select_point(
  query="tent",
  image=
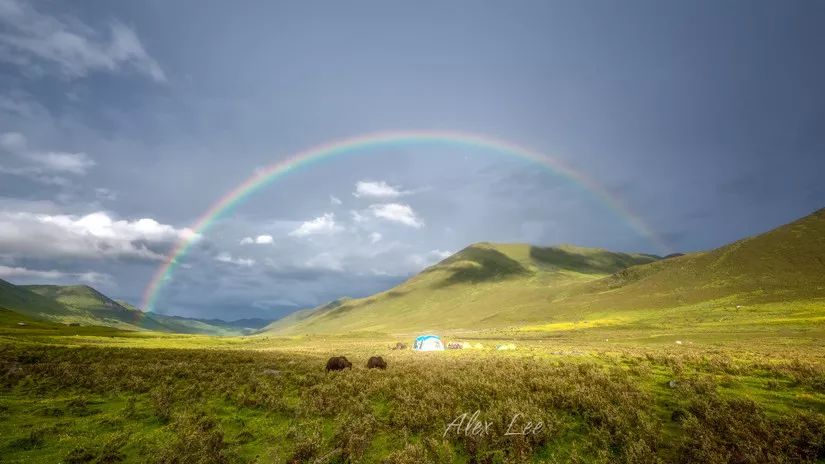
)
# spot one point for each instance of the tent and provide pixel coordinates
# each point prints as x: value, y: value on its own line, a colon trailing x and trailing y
x: 428, y: 343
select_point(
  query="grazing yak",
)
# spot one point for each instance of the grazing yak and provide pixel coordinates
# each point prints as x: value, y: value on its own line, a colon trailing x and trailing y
x: 400, y: 346
x: 376, y: 362
x: 338, y: 363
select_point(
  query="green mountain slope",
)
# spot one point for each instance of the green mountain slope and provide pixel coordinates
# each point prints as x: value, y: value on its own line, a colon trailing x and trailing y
x: 10, y: 319
x: 473, y: 288
x: 190, y: 325
x: 186, y: 325
x: 774, y: 278
x: 81, y: 304
x: 784, y: 264
x: 30, y: 304
x: 178, y: 324
x: 90, y: 307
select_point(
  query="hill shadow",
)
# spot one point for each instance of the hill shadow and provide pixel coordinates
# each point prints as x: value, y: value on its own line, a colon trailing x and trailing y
x: 602, y: 262
x: 483, y: 264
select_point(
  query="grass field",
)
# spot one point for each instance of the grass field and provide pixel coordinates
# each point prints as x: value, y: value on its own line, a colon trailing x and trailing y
x: 101, y: 395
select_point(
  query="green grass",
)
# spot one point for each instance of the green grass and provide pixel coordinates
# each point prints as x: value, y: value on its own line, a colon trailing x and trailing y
x: 143, y: 397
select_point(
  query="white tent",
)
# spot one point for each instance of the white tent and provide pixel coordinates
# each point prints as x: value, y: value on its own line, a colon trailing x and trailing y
x: 428, y: 343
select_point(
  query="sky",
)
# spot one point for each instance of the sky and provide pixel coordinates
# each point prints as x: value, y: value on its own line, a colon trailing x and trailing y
x: 121, y: 123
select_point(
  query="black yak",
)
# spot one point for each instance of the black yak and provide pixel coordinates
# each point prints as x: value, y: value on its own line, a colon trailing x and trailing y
x: 338, y: 363
x: 376, y: 362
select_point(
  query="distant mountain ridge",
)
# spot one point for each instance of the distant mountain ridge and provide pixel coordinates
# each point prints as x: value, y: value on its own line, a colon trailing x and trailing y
x: 82, y: 304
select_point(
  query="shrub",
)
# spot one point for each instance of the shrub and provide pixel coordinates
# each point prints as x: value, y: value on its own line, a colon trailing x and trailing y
x: 162, y: 399
x: 198, y: 440
x: 80, y: 456
x: 34, y: 439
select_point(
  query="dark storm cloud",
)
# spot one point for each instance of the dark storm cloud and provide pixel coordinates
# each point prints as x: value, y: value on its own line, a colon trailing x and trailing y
x: 816, y: 195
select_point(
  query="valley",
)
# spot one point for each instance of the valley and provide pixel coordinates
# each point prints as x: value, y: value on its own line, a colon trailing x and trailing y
x: 706, y: 357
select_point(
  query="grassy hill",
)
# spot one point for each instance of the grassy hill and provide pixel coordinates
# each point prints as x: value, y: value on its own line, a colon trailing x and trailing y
x: 474, y: 288
x: 774, y: 278
x: 10, y: 319
x: 29, y: 303
x: 188, y: 325
x: 90, y: 307
x: 787, y: 263
x: 81, y: 304
x: 783, y: 265
x: 182, y: 325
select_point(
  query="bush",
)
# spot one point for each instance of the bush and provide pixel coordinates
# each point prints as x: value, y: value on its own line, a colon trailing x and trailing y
x: 34, y: 439
x: 608, y: 408
x: 198, y: 440
x: 162, y: 399
x: 738, y: 431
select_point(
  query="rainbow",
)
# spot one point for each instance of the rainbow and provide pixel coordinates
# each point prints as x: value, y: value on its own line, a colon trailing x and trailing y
x: 265, y: 176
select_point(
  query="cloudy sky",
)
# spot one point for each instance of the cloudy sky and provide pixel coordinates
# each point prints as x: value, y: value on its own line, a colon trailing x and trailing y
x: 122, y: 122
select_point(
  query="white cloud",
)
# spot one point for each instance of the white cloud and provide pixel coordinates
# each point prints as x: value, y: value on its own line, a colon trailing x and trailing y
x: 95, y: 235
x: 227, y: 258
x: 19, y: 104
x: 441, y: 254
x: 38, y: 44
x: 75, y: 163
x: 396, y: 212
x: 379, y: 189
x: 36, y: 174
x: 375, y: 237
x: 35, y: 206
x: 335, y: 200
x: 13, y: 141
x: 260, y: 240
x: 357, y: 217
x: 326, y: 261
x: 275, y: 303
x: 42, y: 162
x: 324, y: 224
x: 105, y: 194
x: 8, y: 272
x: 263, y: 239
x: 429, y: 258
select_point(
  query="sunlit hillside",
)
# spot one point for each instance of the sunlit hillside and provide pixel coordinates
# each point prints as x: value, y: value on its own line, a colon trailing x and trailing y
x: 478, y: 287
x: 519, y: 286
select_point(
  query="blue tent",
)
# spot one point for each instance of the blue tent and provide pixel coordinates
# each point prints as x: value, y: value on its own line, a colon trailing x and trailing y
x: 428, y: 343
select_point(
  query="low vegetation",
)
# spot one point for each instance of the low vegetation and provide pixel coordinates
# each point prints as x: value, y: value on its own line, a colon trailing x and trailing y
x: 266, y: 400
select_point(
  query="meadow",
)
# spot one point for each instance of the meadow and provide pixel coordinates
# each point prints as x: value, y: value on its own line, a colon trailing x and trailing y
x: 82, y: 395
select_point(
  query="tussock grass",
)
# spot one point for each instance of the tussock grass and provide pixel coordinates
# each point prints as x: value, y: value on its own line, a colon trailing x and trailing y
x: 276, y: 404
